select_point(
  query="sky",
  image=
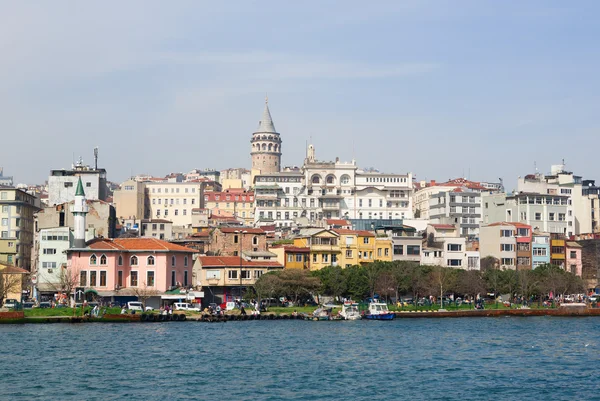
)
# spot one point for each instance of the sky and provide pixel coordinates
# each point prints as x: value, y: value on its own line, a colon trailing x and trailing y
x: 443, y: 89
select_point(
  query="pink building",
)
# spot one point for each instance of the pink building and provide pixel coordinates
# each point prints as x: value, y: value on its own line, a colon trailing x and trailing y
x: 573, y: 262
x: 117, y: 267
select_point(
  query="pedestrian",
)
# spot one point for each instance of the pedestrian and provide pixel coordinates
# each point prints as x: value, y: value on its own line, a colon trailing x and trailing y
x: 242, y: 310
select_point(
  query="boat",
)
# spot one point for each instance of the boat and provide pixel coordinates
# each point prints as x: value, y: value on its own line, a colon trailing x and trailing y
x: 322, y: 313
x: 378, y: 311
x: 350, y: 311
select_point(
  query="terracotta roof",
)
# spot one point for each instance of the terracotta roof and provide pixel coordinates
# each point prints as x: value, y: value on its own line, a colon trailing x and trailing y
x: 9, y: 269
x: 248, y: 230
x: 360, y: 233
x: 443, y: 226
x: 137, y: 244
x: 211, y: 196
x: 337, y: 222
x: 234, y: 261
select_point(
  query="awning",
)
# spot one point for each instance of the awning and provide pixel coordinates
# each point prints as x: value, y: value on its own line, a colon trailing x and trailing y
x: 90, y: 291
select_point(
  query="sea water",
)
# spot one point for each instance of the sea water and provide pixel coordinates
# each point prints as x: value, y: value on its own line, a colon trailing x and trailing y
x: 506, y: 358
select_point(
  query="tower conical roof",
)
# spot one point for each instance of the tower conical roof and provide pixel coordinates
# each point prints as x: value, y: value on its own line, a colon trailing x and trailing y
x: 79, y: 190
x: 266, y: 123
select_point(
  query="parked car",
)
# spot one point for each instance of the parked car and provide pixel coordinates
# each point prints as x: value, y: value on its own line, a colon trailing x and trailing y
x: 186, y: 306
x: 11, y: 303
x: 135, y: 305
x: 45, y: 305
x: 28, y: 305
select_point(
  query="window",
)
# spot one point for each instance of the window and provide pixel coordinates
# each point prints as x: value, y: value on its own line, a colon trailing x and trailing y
x: 92, y: 279
x: 83, y: 279
x: 557, y: 249
x: 573, y: 255
x: 454, y: 262
x: 246, y: 274
x: 551, y: 216
x: 103, y: 278
x: 120, y: 260
x: 185, y: 261
x: 258, y: 273
x: 185, y: 278
x: 507, y: 261
x: 413, y: 250
x: 133, y: 261
x: 398, y: 250
x: 523, y: 261
x: 103, y: 260
x: 134, y: 279
x: 561, y: 217
x: 47, y: 251
x: 314, y: 257
x: 68, y: 184
x: 325, y: 258
x: 4, y: 234
x: 150, y: 279
x: 233, y: 274
x: 386, y: 252
x: 173, y: 261
x: 348, y: 253
x: 235, y: 239
x: 539, y: 252
x: 5, y: 222
x: 507, y: 247
x: 538, y: 216
x: 93, y: 260
x: 89, y: 184
x: 290, y: 258
x: 506, y: 233
x: 173, y: 280
x: 379, y: 253
x: 299, y: 257
x: 213, y: 274
x: 454, y: 247
x: 120, y: 278
x: 365, y: 240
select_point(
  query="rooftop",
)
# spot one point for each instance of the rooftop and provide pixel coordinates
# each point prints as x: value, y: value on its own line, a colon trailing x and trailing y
x: 136, y: 244
x: 234, y: 261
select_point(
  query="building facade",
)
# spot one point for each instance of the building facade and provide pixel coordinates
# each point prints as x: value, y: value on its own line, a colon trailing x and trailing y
x: 460, y: 207
x: 509, y: 243
x: 174, y: 201
x: 235, y: 202
x: 62, y: 183
x: 17, y: 210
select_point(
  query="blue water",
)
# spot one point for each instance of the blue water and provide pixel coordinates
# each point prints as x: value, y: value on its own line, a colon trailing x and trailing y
x: 416, y: 359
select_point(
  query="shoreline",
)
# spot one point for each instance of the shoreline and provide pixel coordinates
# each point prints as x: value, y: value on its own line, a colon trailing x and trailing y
x: 19, y: 317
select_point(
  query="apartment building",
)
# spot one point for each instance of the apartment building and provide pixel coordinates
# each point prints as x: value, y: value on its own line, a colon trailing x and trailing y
x: 174, y: 201
x: 540, y: 249
x: 17, y: 209
x: 546, y: 213
x: 444, y: 246
x: 63, y: 182
x: 510, y: 243
x: 130, y: 200
x: 324, y: 246
x: 460, y: 206
x: 234, y: 202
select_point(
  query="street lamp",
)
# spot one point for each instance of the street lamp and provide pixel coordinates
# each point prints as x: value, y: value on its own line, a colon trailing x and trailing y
x: 241, y: 236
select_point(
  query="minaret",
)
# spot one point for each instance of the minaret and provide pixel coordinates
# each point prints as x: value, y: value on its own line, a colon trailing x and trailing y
x: 266, y: 145
x: 80, y: 209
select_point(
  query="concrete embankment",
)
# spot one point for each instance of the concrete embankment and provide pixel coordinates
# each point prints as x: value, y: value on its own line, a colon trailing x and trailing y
x: 19, y: 317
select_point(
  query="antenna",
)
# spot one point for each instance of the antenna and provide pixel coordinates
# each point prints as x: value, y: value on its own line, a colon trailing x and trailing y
x: 96, y: 158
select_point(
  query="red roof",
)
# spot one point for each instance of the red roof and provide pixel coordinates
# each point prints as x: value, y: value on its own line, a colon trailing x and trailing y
x: 506, y: 223
x: 337, y: 222
x: 137, y: 244
x: 443, y: 226
x: 201, y: 234
x: 9, y: 269
x: 235, y: 230
x: 234, y: 261
x: 361, y: 233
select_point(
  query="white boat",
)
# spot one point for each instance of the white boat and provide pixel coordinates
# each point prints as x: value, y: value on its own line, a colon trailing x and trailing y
x: 379, y: 311
x: 350, y: 311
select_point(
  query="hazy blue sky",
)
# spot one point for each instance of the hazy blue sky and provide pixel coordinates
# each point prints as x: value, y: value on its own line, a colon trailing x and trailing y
x: 432, y: 87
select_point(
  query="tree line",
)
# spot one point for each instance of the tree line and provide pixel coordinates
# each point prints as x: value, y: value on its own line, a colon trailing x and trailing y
x: 395, y: 280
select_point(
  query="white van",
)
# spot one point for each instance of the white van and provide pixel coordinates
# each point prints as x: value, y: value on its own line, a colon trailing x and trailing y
x: 135, y: 305
x: 186, y: 306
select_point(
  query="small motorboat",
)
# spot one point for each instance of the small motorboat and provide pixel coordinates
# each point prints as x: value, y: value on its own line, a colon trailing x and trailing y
x: 350, y: 311
x: 322, y: 313
x: 378, y: 311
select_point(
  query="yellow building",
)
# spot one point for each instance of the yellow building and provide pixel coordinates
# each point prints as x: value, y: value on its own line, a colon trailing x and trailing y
x: 324, y: 247
x: 234, y: 202
x: 11, y: 282
x: 292, y: 257
x: 360, y: 247
x: 557, y: 250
